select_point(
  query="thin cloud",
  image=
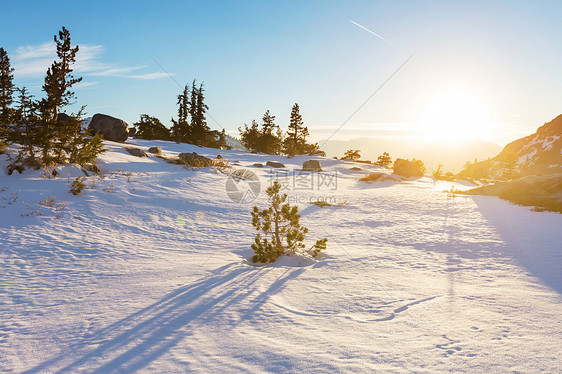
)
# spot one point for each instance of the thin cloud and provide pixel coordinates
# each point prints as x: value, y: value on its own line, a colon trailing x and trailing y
x: 32, y: 61
x: 151, y: 76
x: 84, y: 84
x: 374, y: 33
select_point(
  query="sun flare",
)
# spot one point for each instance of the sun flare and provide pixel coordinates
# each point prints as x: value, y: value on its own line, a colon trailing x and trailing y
x: 455, y: 116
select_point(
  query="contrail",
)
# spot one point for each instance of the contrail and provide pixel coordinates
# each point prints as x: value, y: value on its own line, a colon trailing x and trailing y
x: 374, y: 33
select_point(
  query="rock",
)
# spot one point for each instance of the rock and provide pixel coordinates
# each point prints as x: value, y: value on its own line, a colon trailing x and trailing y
x: 155, y: 150
x: 219, y: 157
x: 274, y: 164
x: 406, y: 168
x: 258, y: 165
x: 195, y: 160
x: 136, y: 152
x: 111, y: 128
x: 311, y: 165
x: 62, y: 117
x: 355, y: 168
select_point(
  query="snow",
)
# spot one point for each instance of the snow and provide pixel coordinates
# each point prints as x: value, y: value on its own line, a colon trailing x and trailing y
x: 147, y: 271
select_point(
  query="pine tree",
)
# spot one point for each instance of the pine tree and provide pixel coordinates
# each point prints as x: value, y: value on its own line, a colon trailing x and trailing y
x: 180, y: 131
x: 271, y: 137
x: 295, y: 142
x: 282, y: 230
x: 199, y: 128
x: 352, y: 154
x: 384, y: 160
x: 250, y: 136
x: 59, y: 79
x: 6, y: 93
x: 58, y: 82
x: 26, y: 131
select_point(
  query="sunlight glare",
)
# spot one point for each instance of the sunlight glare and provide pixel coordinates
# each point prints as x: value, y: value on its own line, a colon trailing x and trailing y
x: 455, y: 116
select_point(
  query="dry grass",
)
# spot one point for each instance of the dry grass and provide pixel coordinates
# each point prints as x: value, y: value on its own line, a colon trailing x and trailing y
x: 376, y: 177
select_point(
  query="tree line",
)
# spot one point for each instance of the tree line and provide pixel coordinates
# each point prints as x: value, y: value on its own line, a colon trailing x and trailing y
x: 44, y: 133
x: 190, y: 126
x: 269, y: 138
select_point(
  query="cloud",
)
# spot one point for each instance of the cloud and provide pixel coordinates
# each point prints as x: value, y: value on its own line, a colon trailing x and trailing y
x: 84, y: 84
x: 151, y: 76
x: 32, y: 61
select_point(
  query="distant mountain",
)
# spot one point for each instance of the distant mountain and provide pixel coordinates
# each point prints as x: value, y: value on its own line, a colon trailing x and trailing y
x: 536, y: 154
x: 370, y: 148
x: 453, y: 156
x: 539, y: 153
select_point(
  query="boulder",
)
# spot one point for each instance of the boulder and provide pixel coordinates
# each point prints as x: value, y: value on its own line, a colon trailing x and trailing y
x: 406, y: 168
x: 155, y: 150
x: 62, y: 117
x: 136, y: 152
x: 111, y: 128
x: 195, y: 160
x: 311, y: 165
x: 274, y: 164
x: 258, y: 165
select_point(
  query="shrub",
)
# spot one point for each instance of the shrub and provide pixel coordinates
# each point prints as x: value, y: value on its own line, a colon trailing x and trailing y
x: 407, y: 168
x: 351, y: 154
x: 379, y: 177
x: 77, y: 186
x: 282, y: 230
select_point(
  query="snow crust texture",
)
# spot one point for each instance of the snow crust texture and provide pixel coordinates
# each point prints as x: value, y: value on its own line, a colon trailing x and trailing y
x: 147, y: 271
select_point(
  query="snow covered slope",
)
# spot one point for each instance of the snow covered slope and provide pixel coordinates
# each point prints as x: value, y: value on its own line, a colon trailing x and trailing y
x: 539, y: 153
x: 146, y: 271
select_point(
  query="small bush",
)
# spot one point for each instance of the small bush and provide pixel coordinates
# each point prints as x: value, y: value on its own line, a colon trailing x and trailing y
x: 77, y: 186
x: 376, y: 177
x: 321, y: 203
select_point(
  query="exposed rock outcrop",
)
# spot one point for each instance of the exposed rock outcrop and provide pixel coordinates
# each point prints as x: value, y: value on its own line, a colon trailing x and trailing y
x: 111, y: 128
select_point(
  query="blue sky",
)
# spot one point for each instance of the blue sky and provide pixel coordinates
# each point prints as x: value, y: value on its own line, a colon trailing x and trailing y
x: 255, y: 55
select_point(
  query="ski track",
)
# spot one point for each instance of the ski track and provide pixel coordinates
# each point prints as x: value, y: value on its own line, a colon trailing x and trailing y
x: 153, y: 276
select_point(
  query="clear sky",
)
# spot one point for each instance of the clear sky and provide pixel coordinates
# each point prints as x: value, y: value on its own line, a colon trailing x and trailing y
x: 492, y: 62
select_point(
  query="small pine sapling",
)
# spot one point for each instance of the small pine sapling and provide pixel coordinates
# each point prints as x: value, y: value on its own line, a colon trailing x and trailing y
x: 281, y: 228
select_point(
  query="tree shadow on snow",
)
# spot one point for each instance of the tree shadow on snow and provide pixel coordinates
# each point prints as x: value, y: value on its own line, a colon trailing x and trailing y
x: 532, y: 239
x: 135, y: 341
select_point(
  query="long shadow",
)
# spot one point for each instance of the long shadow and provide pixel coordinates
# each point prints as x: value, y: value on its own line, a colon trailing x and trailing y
x: 135, y: 341
x: 532, y: 239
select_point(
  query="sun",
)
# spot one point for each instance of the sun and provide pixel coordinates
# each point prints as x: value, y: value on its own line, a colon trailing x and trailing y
x: 455, y: 116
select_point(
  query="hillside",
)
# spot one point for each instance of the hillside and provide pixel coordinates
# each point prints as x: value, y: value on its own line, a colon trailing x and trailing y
x: 146, y: 271
x: 536, y: 154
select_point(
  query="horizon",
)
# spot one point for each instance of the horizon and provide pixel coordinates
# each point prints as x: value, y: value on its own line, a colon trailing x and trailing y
x: 473, y: 69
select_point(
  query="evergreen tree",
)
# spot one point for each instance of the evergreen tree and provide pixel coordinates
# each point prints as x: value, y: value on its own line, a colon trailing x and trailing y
x: 180, y: 131
x: 6, y: 93
x: 26, y: 130
x: 282, y: 230
x: 352, y: 155
x: 199, y: 128
x: 295, y: 142
x: 151, y: 128
x: 59, y: 77
x: 271, y: 137
x: 250, y: 136
x: 58, y: 83
x: 384, y: 160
